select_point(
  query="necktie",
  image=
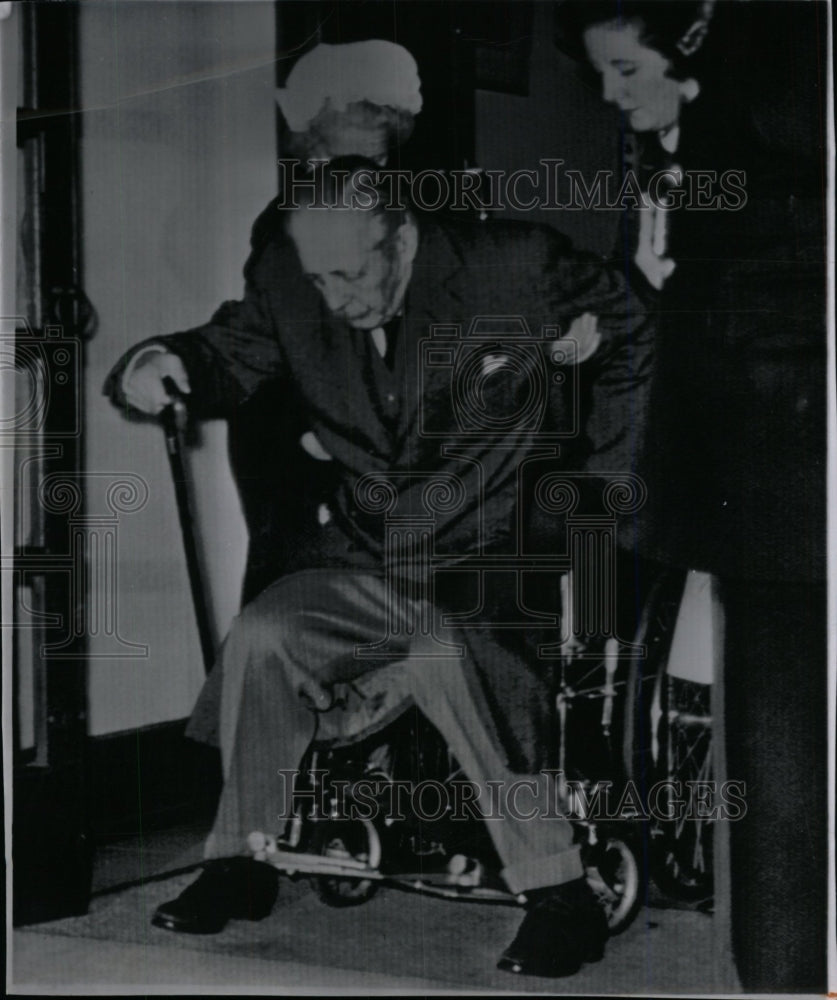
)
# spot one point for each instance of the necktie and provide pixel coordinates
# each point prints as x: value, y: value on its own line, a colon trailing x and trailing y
x: 384, y: 338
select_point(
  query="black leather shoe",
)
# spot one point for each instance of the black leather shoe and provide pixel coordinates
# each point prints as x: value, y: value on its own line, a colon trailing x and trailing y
x: 237, y: 888
x: 564, y: 928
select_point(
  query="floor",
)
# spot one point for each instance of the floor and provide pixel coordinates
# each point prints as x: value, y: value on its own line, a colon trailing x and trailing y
x: 129, y: 859
x: 111, y: 967
x: 397, y: 942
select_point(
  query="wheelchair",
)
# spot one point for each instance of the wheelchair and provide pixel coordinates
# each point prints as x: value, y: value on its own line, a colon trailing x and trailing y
x: 626, y: 720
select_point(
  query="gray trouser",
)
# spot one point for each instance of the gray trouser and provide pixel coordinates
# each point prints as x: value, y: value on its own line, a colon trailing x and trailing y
x: 299, y: 636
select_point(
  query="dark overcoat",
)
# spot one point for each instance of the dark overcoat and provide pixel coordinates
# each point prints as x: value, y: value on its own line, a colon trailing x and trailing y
x: 411, y: 419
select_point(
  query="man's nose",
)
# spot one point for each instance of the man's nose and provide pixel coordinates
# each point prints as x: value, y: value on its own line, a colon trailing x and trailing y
x: 336, y: 293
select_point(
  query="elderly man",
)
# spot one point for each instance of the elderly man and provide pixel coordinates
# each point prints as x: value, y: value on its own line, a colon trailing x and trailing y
x: 392, y: 419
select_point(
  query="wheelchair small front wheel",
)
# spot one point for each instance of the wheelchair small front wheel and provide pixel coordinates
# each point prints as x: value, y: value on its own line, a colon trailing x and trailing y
x: 347, y: 841
x: 613, y: 875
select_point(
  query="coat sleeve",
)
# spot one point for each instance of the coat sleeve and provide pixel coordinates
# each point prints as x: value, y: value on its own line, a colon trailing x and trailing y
x: 575, y: 282
x: 616, y: 380
x: 228, y: 358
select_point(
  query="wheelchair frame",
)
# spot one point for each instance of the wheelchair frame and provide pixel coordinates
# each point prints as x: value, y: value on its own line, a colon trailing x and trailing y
x: 662, y: 735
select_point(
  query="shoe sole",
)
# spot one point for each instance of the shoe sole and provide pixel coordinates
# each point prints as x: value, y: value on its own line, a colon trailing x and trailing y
x: 180, y: 927
x: 518, y: 968
x: 169, y: 923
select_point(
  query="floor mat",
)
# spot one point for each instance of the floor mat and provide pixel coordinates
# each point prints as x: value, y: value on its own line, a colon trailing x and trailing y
x: 407, y: 934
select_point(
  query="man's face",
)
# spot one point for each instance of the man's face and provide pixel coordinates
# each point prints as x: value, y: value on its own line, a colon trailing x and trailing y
x: 634, y: 77
x: 357, y: 262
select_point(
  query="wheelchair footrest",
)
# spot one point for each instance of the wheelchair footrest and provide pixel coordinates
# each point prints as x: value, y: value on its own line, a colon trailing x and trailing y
x: 299, y: 862
x: 445, y: 883
x: 451, y: 887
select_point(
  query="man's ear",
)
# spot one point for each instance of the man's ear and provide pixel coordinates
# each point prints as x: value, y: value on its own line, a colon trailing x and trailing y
x: 407, y: 240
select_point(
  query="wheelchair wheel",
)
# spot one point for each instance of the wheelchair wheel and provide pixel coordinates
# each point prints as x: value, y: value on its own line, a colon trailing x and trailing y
x: 668, y: 753
x: 613, y: 875
x: 682, y: 855
x: 343, y: 840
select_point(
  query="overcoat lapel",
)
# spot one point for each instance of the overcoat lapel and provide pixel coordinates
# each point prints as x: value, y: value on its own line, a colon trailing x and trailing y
x: 433, y: 298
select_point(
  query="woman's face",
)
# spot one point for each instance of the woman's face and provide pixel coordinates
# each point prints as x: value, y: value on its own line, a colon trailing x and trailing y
x: 634, y: 77
x: 356, y: 130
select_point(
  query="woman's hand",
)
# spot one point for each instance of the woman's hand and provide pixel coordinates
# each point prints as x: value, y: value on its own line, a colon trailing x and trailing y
x: 649, y: 257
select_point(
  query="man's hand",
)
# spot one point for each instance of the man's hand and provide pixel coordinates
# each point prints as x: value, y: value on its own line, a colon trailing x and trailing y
x: 142, y: 380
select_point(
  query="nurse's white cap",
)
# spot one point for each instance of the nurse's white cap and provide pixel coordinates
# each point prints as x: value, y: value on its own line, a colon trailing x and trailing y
x: 377, y: 71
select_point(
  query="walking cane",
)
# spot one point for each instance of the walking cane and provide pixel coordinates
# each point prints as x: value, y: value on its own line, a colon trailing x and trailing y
x: 175, y: 419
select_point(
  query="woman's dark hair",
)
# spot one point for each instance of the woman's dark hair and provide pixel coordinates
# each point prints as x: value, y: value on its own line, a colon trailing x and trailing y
x: 674, y: 28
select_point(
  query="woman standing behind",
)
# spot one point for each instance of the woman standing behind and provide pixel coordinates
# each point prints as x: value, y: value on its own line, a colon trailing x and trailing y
x: 726, y: 102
